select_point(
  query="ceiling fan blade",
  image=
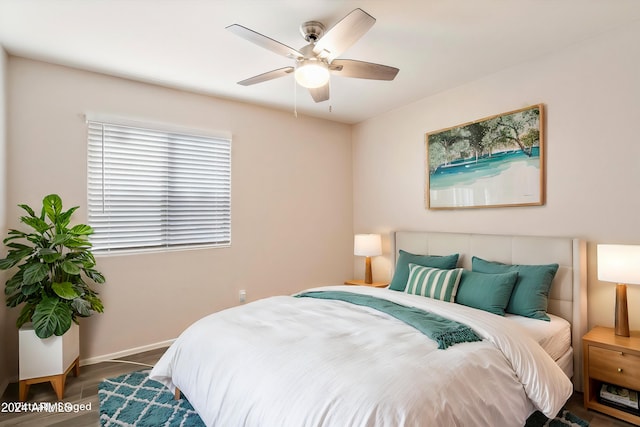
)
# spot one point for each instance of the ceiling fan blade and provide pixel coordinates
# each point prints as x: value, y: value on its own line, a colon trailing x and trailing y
x: 264, y: 41
x: 269, y: 75
x: 363, y: 70
x: 344, y: 34
x: 320, y: 94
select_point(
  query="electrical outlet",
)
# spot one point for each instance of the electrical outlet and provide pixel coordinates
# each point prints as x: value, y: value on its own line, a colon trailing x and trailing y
x: 242, y: 295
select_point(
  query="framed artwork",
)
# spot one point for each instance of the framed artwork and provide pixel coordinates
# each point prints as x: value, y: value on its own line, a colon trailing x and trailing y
x: 492, y: 162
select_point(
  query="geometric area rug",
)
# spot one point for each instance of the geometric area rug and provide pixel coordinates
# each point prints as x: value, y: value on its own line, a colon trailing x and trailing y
x: 564, y: 418
x: 137, y: 401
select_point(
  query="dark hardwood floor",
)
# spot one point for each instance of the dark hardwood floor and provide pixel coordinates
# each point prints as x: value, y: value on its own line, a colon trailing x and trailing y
x: 596, y: 419
x: 84, y: 390
x: 78, y: 391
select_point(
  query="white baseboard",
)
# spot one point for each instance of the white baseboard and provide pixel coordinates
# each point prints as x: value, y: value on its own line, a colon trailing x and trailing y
x: 125, y: 353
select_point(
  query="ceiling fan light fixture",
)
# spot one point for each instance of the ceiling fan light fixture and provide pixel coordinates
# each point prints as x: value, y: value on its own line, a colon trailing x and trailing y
x: 316, y: 60
x: 312, y: 73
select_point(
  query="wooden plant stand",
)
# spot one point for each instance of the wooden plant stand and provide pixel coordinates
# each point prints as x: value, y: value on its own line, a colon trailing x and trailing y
x: 57, y: 381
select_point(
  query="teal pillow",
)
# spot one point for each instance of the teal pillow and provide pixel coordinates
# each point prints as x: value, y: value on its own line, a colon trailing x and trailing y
x: 530, y: 294
x: 433, y: 283
x: 401, y: 275
x: 488, y: 292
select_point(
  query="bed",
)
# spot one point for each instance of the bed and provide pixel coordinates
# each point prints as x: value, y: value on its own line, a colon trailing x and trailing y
x: 352, y: 355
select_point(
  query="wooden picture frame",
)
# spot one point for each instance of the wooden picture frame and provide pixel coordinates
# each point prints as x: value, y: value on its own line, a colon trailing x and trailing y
x: 496, y: 161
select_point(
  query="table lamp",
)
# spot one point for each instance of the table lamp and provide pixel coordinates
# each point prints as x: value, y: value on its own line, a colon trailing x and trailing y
x: 367, y: 245
x: 620, y: 264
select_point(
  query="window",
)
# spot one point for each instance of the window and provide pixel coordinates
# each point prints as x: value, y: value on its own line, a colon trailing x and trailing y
x: 152, y: 189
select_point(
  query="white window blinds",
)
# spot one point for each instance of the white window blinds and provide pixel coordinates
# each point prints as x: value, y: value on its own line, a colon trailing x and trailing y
x: 153, y: 189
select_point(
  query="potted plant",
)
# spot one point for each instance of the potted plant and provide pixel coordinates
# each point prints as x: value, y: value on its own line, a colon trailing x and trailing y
x: 53, y: 261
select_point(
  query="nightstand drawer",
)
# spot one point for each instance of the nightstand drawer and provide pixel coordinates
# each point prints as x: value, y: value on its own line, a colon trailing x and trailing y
x: 615, y: 367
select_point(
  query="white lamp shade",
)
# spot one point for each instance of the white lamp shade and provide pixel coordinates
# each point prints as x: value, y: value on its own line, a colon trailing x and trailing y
x: 311, y: 73
x: 619, y: 263
x: 367, y: 245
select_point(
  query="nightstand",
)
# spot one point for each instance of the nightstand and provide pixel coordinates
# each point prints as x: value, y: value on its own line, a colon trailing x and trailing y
x: 361, y: 283
x: 614, y: 360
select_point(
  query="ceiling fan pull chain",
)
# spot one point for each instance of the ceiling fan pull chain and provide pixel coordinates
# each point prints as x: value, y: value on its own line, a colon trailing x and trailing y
x: 330, y: 106
x: 295, y: 99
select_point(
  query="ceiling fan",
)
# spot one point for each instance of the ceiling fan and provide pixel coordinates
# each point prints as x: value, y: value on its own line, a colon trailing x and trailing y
x: 316, y: 61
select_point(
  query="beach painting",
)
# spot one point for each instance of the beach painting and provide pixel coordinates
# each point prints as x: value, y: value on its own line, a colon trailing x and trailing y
x: 492, y: 162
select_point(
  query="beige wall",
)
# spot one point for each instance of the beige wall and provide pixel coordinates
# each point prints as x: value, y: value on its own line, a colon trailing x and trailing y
x: 591, y: 95
x: 4, y: 368
x: 291, y: 200
x: 295, y: 201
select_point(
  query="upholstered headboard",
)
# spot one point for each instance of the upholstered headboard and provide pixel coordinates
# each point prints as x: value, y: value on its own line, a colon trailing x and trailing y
x: 568, y: 296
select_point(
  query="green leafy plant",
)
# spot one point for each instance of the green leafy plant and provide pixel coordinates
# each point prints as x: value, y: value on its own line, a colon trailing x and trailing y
x: 53, y: 261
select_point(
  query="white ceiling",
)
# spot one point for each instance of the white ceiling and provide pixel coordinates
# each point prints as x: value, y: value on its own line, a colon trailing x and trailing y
x: 436, y: 44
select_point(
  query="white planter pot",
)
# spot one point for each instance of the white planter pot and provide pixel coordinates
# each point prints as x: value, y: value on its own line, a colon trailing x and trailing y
x: 47, y: 357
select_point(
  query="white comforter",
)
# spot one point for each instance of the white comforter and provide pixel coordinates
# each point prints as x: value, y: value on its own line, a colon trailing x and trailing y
x: 286, y: 361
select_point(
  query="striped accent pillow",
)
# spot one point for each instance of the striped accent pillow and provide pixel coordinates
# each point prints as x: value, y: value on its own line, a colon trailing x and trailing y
x: 433, y: 282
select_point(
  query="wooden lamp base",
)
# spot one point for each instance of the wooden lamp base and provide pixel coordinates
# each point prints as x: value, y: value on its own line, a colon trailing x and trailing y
x: 622, y: 314
x: 368, y: 277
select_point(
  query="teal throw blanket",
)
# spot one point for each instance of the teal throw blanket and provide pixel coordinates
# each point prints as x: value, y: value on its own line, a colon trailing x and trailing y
x: 444, y: 331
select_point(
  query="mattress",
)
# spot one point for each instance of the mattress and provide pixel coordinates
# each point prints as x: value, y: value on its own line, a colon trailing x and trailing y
x: 553, y: 336
x: 566, y: 363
